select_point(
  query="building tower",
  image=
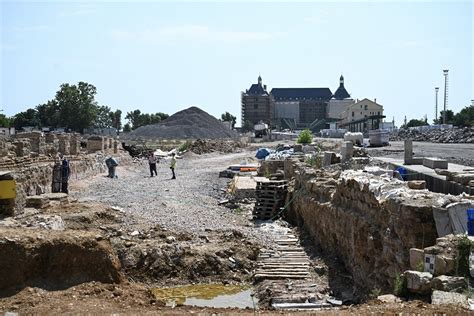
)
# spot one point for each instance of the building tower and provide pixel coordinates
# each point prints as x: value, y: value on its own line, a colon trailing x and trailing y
x: 341, y: 92
x: 436, y: 106
x: 445, y: 72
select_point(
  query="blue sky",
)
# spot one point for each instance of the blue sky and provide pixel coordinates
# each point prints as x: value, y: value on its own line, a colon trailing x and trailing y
x: 167, y: 56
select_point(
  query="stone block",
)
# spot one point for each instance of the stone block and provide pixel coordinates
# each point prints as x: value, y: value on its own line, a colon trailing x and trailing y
x: 389, y: 298
x: 417, y: 257
x: 408, y: 151
x: 95, y: 143
x: 442, y: 298
x: 417, y: 184
x: 347, y: 151
x: 418, y: 282
x: 298, y: 148
x: 449, y: 283
x: 435, y: 163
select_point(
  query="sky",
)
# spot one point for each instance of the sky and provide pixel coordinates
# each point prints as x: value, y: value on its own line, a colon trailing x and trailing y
x: 167, y: 56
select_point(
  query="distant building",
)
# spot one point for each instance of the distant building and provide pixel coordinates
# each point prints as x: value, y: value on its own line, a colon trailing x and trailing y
x: 256, y: 105
x: 362, y: 116
x: 340, y: 101
x: 300, y: 107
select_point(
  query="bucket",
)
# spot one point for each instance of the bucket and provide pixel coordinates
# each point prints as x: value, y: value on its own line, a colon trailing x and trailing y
x: 470, y: 222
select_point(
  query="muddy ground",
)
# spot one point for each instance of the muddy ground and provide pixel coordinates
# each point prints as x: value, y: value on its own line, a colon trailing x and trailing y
x: 161, y: 232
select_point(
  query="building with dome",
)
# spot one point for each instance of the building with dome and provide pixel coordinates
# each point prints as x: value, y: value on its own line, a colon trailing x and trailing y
x: 340, y: 101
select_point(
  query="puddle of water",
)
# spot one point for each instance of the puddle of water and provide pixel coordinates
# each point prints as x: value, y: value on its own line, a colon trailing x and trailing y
x: 207, y: 295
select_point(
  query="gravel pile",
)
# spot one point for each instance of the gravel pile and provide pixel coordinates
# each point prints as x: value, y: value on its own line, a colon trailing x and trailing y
x: 454, y: 135
x: 191, y: 123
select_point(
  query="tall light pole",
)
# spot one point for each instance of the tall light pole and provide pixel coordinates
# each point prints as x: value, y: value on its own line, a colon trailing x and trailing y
x: 436, y: 105
x: 445, y: 72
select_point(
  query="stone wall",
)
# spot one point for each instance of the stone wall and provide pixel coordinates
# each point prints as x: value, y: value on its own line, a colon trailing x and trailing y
x: 36, y: 178
x: 370, y: 222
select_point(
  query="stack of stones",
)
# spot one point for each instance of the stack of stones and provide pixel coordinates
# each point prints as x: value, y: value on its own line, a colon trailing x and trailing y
x: 440, y: 268
x: 271, y: 195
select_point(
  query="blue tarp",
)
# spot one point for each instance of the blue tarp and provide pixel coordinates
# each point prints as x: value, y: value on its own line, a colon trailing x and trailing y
x: 262, y: 153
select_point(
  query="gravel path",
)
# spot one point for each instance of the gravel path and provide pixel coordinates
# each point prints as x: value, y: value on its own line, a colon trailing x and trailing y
x: 187, y: 204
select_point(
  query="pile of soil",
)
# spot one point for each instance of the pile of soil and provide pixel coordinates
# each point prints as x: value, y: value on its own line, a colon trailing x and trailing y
x: 191, y: 123
x: 204, y: 146
x: 54, y: 259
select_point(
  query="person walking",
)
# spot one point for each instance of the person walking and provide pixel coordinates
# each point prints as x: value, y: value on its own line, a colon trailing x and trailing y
x: 173, y: 165
x: 152, y: 162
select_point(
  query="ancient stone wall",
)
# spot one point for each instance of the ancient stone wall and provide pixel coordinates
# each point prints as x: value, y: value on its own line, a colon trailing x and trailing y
x: 95, y: 143
x: 369, y: 222
x: 37, y: 141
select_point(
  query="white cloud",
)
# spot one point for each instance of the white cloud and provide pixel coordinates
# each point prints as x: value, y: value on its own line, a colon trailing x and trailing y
x: 193, y: 33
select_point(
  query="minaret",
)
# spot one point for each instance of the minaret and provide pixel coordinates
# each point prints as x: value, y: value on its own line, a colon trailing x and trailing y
x: 259, y: 80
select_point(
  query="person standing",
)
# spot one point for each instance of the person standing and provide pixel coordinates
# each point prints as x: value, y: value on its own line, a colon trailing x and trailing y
x: 152, y: 162
x: 65, y: 172
x: 173, y: 165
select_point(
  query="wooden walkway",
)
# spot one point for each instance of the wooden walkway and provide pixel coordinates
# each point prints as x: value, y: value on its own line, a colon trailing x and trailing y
x: 286, y: 261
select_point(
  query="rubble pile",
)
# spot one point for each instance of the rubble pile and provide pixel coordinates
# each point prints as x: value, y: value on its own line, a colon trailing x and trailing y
x: 454, y: 135
x: 441, y: 270
x: 191, y: 123
x: 204, y: 146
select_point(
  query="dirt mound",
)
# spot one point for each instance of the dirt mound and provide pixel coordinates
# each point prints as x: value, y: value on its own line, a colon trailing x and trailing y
x: 204, y: 146
x: 191, y: 123
x: 54, y: 260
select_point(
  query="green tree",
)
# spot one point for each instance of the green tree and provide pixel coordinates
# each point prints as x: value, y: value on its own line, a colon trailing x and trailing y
x: 449, y: 117
x: 136, y: 118
x: 26, y: 118
x: 126, y: 127
x: 415, y: 122
x: 78, y: 108
x: 465, y: 117
x: 227, y: 117
x: 305, y: 137
x: 48, y: 114
x: 116, y: 119
x: 104, y: 117
x: 5, y: 121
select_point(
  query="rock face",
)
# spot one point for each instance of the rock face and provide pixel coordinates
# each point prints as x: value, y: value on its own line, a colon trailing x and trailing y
x: 452, y: 135
x: 440, y: 298
x: 449, y: 283
x: 54, y: 260
x: 370, y: 222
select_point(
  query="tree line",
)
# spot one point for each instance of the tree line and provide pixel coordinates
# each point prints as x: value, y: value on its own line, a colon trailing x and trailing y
x: 74, y: 108
x: 464, y: 118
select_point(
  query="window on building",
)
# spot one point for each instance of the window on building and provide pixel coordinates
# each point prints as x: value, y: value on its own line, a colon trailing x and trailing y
x: 365, y: 107
x: 378, y: 113
x: 256, y: 99
x: 255, y: 106
x: 352, y: 113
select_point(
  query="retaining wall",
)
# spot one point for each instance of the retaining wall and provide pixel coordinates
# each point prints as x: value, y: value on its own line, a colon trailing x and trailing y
x: 369, y: 222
